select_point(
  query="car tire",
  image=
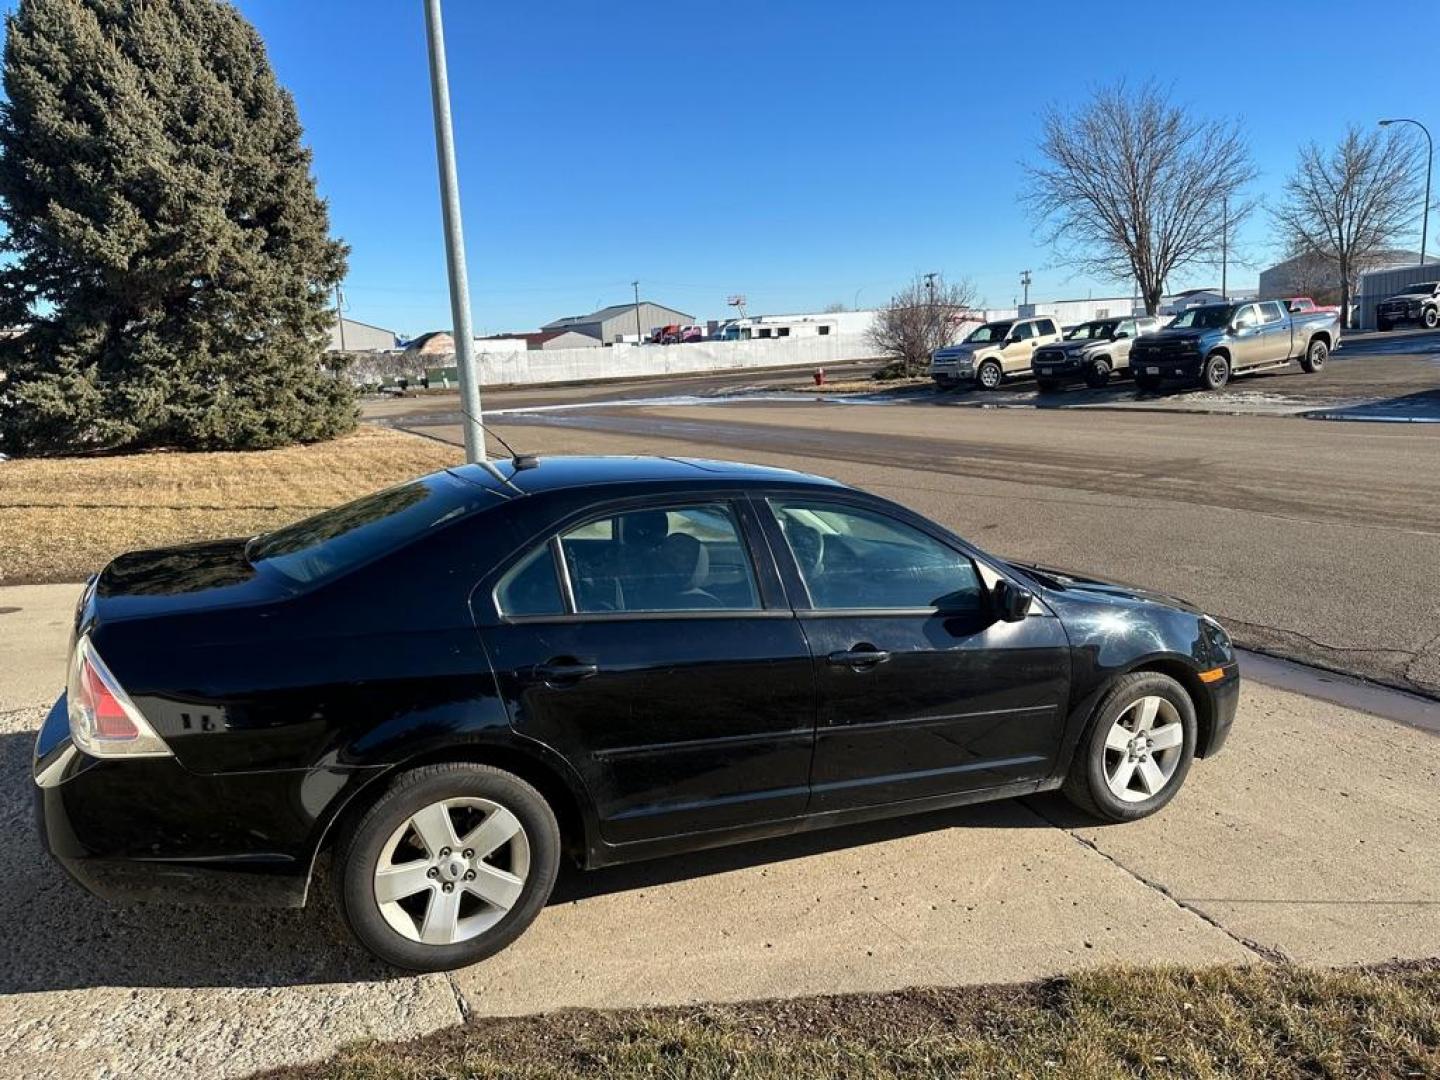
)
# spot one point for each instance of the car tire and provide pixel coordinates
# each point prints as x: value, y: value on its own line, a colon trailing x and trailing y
x: 1048, y: 386
x: 989, y: 375
x: 1316, y: 353
x: 1431, y: 318
x: 1121, y: 771
x: 1215, y: 372
x: 1098, y: 376
x: 518, y: 874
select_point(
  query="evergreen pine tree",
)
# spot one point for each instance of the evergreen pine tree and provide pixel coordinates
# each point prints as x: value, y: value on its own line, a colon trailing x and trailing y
x: 165, y: 243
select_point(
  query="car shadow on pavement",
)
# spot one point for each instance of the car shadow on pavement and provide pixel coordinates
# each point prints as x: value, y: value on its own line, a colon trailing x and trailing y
x: 62, y: 938
x: 575, y: 884
x: 59, y: 937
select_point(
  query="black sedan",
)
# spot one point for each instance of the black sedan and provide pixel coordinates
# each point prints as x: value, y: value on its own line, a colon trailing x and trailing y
x: 455, y: 683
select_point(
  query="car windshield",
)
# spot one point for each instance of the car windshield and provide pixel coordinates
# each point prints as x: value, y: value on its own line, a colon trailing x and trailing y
x: 994, y: 331
x: 1423, y: 289
x: 1210, y: 317
x: 336, y: 540
x: 1093, y: 331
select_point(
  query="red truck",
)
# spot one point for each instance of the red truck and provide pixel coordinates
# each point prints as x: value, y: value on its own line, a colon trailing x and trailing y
x: 1303, y: 305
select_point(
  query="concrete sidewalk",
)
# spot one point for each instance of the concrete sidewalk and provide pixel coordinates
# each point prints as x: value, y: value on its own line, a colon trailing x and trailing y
x: 1312, y: 837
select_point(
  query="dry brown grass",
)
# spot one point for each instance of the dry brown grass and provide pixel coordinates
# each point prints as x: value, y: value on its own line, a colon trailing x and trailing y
x: 1264, y: 1022
x: 61, y: 519
x: 857, y: 386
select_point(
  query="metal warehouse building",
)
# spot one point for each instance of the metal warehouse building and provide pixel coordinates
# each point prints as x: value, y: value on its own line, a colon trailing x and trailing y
x: 1380, y: 284
x: 617, y: 322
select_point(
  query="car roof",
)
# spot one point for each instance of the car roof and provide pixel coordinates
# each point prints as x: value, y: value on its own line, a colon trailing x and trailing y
x: 533, y: 475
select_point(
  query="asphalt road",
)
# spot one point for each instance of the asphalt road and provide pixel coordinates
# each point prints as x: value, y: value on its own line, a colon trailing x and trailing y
x: 1312, y: 539
x: 1312, y: 838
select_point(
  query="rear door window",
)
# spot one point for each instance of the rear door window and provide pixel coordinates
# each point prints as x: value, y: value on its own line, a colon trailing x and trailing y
x: 675, y: 558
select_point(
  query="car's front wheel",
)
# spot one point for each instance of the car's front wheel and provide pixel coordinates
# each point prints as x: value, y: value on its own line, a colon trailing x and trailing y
x: 449, y: 866
x: 1216, y: 372
x: 1137, y: 750
x: 1431, y: 318
x: 1098, y: 376
x: 990, y: 375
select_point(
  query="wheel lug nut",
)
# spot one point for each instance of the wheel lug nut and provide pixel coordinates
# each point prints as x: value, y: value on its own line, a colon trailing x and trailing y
x: 448, y: 887
x: 469, y: 853
x: 432, y: 872
x: 444, y: 851
x: 469, y: 875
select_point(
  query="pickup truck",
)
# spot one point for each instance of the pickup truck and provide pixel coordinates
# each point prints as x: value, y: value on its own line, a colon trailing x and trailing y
x: 1210, y: 343
x: 993, y: 352
x: 1418, y: 303
x: 1092, y: 351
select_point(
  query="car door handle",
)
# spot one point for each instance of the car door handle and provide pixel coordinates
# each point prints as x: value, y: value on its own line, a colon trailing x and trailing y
x: 859, y: 658
x: 560, y: 672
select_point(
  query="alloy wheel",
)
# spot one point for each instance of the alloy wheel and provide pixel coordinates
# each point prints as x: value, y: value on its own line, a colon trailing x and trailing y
x: 452, y: 871
x: 1143, y: 749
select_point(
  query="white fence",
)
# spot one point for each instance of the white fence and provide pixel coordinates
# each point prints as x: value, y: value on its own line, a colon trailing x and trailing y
x: 639, y: 361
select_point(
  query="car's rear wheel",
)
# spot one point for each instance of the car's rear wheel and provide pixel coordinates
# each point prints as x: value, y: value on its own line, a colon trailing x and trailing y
x: 449, y: 866
x: 1137, y: 751
x: 990, y: 375
x: 1098, y: 376
x: 1315, y: 356
x: 1215, y: 373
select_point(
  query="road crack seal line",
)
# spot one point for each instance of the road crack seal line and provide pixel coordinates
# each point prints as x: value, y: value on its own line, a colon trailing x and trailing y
x: 1268, y: 953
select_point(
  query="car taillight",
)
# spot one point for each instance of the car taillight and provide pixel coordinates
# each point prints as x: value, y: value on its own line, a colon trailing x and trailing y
x: 104, y: 722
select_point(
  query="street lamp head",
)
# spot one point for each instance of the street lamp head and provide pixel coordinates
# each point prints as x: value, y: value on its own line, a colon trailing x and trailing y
x: 1386, y: 123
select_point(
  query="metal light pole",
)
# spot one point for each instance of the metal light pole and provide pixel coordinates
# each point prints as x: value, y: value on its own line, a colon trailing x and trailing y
x: 639, y: 334
x: 1429, y: 162
x: 454, y: 237
x: 1224, y: 247
x: 1025, y: 281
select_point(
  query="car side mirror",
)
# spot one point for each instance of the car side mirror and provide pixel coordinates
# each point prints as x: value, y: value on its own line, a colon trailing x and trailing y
x: 1012, y: 602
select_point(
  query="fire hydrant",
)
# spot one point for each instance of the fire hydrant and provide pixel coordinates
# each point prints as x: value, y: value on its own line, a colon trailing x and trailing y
x: 819, y: 376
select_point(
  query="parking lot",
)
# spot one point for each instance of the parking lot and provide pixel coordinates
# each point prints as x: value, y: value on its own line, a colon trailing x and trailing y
x: 1311, y: 839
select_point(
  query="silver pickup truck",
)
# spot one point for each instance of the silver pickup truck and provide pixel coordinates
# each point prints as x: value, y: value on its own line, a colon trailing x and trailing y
x: 1210, y: 343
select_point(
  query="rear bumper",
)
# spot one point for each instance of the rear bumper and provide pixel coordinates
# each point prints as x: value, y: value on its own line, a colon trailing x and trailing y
x: 150, y: 829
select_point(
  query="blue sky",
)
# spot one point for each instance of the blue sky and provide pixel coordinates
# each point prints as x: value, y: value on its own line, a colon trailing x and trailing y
x: 802, y: 153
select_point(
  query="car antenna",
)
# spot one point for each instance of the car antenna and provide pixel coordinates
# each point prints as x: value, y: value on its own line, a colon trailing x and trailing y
x: 518, y: 460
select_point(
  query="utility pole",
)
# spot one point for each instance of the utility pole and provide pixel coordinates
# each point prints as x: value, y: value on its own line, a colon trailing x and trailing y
x: 1025, y: 281
x: 1224, y: 247
x: 1429, y: 162
x: 454, y: 237
x: 930, y: 286
x: 639, y: 333
x: 340, y: 316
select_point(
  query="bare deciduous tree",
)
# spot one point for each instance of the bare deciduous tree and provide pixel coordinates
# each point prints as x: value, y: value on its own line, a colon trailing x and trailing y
x: 1132, y: 188
x: 1350, y: 206
x: 920, y: 319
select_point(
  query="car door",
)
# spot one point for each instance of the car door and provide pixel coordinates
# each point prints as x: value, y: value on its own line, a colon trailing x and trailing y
x: 1247, y: 337
x: 649, y: 644
x: 1125, y: 335
x: 1016, y: 354
x: 922, y: 693
x: 1275, y: 322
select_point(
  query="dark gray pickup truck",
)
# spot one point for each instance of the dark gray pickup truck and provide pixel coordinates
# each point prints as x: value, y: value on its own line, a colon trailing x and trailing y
x: 1209, y: 343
